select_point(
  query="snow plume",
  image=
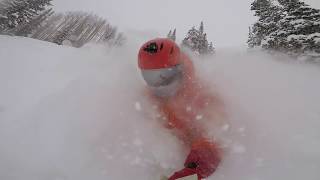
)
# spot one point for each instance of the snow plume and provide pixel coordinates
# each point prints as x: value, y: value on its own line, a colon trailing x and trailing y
x: 77, y: 114
x: 70, y: 114
x: 273, y: 108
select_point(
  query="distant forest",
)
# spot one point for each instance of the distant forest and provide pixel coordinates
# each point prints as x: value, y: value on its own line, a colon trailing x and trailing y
x: 36, y: 19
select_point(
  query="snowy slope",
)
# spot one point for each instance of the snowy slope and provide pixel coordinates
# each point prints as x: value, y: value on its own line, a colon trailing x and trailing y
x: 74, y: 114
x: 80, y: 114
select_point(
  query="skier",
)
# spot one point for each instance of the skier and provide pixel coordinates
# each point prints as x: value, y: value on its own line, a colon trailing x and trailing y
x: 183, y: 101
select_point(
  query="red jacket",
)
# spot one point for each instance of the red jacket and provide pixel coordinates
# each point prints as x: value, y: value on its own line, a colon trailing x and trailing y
x: 184, y: 115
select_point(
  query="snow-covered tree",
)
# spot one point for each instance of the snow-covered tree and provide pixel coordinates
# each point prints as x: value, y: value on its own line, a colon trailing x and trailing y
x: 196, y: 40
x: 79, y: 28
x: 292, y: 27
x: 268, y: 16
x: 251, y: 39
x: 211, y: 48
x: 300, y: 27
x: 203, y: 43
x: 172, y: 35
x: 17, y: 12
x: 191, y: 40
x: 28, y: 28
x: 201, y: 28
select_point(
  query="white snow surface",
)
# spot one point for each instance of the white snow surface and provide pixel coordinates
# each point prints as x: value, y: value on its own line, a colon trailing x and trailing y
x: 81, y: 114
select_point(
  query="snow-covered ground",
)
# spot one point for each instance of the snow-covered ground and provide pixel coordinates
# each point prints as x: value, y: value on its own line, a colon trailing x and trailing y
x: 69, y: 114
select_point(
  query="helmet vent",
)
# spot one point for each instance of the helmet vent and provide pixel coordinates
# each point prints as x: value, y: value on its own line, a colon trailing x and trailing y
x: 151, y: 48
x: 161, y: 46
x: 171, y: 51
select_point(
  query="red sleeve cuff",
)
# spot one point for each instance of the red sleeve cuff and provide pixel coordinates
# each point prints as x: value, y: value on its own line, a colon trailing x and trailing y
x: 184, y: 173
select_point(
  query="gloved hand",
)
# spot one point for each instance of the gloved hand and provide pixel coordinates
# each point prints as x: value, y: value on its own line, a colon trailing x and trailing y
x: 202, y: 160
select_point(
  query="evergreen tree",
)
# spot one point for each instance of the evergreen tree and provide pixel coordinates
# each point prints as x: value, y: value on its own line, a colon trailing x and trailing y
x: 27, y: 29
x: 172, y: 35
x: 14, y: 13
x: 203, y: 43
x: 293, y: 28
x: 191, y: 41
x: 251, y: 39
x: 169, y: 34
x: 268, y: 16
x: 300, y: 28
x: 196, y: 40
x: 211, y: 48
x: 17, y: 12
x: 201, y: 28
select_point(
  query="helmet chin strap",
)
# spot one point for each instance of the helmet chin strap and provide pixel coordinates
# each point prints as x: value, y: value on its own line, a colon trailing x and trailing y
x: 168, y: 90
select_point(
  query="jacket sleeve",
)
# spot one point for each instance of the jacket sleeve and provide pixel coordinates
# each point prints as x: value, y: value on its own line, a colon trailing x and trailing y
x: 202, y: 161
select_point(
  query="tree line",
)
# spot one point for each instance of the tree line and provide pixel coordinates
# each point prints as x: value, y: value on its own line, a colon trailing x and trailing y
x: 288, y: 26
x: 35, y: 19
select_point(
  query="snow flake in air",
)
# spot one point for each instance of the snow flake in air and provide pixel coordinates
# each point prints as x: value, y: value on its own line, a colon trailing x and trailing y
x: 259, y: 162
x: 137, y: 142
x: 137, y: 106
x: 225, y: 127
x: 110, y: 157
x: 136, y: 161
x: 2, y: 109
x: 242, y: 130
x: 199, y: 117
x: 239, y: 149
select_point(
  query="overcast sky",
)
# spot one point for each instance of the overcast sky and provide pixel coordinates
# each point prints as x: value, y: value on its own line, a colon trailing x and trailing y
x: 226, y: 21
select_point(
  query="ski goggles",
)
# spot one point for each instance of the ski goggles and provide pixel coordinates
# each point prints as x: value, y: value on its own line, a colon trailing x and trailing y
x: 162, y: 77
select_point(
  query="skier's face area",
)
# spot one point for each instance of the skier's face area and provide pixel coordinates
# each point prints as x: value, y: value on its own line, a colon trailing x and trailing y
x: 162, y: 77
x: 164, y: 82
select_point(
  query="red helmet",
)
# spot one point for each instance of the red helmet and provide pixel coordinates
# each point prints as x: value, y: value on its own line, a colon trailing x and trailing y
x: 159, y: 53
x: 160, y: 64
